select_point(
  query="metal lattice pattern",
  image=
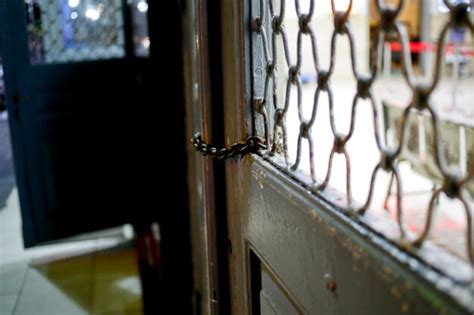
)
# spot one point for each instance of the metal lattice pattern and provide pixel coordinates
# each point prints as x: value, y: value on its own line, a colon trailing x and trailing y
x: 75, y: 30
x: 268, y: 25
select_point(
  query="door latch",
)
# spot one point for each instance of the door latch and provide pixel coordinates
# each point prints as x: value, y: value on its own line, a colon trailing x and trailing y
x: 251, y: 145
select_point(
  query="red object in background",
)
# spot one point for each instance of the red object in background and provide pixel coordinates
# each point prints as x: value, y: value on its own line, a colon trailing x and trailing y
x: 419, y: 47
x: 415, y: 47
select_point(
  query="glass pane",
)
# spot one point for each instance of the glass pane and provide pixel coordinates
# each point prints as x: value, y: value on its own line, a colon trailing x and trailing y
x: 141, y: 39
x: 74, y: 30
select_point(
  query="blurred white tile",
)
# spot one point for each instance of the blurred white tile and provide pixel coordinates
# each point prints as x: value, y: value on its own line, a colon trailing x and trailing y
x: 41, y: 297
x: 11, y: 239
x: 7, y: 304
x: 11, y: 278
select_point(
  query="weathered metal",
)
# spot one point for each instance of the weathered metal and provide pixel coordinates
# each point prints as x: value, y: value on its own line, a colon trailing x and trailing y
x: 331, y: 263
x: 252, y: 144
x: 267, y: 25
x: 201, y: 174
x: 320, y: 257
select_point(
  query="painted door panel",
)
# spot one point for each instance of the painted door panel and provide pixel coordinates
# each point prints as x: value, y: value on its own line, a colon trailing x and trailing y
x: 81, y: 127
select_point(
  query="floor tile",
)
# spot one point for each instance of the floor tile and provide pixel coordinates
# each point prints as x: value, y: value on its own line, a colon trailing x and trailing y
x: 118, y: 261
x: 11, y: 240
x: 65, y: 270
x: 119, y: 313
x: 117, y: 287
x: 117, y: 295
x: 40, y: 296
x: 94, y: 272
x: 11, y: 278
x: 7, y: 304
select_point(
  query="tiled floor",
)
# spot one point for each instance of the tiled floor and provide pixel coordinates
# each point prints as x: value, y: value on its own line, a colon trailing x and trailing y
x: 94, y: 276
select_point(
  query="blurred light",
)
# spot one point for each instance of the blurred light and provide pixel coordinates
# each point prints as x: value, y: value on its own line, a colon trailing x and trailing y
x: 142, y: 6
x: 74, y: 3
x: 127, y: 231
x: 129, y: 284
x: 74, y: 15
x: 92, y: 14
x: 146, y: 42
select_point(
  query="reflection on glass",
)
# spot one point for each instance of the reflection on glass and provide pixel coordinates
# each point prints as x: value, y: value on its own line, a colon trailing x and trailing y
x: 74, y: 30
x: 141, y: 39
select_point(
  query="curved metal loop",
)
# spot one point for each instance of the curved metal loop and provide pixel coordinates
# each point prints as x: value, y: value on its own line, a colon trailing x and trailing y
x: 448, y: 4
x: 337, y: 150
x: 345, y: 13
x: 310, y: 11
x: 420, y: 240
x: 383, y: 7
x: 314, y: 49
x: 262, y: 10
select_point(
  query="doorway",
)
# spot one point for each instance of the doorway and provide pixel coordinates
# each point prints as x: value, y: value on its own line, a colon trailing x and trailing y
x: 83, y: 119
x: 74, y: 276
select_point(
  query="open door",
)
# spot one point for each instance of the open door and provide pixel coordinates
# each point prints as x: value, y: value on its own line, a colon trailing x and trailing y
x: 78, y: 81
x: 297, y: 243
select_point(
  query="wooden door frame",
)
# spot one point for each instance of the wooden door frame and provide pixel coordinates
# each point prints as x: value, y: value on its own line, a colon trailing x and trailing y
x: 206, y: 178
x: 238, y: 125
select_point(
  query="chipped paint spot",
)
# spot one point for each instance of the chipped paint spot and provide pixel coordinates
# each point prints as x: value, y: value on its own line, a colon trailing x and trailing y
x: 395, y: 292
x: 405, y: 307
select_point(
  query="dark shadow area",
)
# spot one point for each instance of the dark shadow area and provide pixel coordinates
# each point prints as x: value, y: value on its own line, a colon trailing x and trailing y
x: 94, y: 128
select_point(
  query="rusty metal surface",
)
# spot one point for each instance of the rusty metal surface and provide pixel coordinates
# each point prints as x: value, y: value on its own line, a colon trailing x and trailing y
x: 421, y: 136
x: 201, y: 173
x: 330, y: 260
x: 238, y: 121
x: 333, y: 264
x: 252, y: 144
x: 197, y: 224
x: 268, y: 30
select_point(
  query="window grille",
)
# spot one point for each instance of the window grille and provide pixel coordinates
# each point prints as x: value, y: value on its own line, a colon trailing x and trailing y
x: 74, y: 30
x: 278, y: 56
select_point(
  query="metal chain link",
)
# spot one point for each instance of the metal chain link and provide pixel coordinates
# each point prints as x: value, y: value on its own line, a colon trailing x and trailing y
x: 251, y: 145
x: 268, y: 102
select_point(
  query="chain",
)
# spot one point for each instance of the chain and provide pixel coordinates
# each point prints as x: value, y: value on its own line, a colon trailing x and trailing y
x: 251, y: 145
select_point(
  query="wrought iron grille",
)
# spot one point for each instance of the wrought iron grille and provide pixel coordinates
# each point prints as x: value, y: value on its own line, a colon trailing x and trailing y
x: 74, y: 30
x: 273, y: 101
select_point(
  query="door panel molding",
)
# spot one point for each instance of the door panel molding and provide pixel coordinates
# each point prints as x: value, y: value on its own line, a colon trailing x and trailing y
x: 308, y: 243
x: 272, y: 287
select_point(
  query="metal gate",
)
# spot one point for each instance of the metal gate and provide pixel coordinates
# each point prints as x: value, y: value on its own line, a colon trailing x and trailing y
x: 297, y: 243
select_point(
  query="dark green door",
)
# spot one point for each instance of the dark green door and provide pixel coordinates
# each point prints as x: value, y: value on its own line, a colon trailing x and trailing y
x: 80, y: 98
